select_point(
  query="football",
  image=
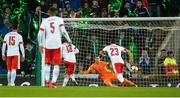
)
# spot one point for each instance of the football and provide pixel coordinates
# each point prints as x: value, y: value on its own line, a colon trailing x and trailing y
x: 134, y: 68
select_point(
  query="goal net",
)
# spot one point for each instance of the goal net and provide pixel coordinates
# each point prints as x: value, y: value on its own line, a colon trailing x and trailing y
x: 149, y: 39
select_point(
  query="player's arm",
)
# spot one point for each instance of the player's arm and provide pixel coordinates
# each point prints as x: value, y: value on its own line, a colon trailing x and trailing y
x: 40, y: 36
x: 64, y: 32
x: 89, y: 70
x: 76, y: 50
x: 22, y: 49
x: 102, y: 52
x: 4, y: 49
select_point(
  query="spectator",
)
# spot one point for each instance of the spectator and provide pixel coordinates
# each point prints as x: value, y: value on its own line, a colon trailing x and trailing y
x: 140, y: 10
x: 5, y: 27
x: 104, y: 13
x: 28, y: 64
x: 7, y: 13
x: 67, y: 9
x: 104, y: 4
x: 161, y: 61
x: 115, y: 5
x: 95, y: 9
x: 170, y: 65
x: 145, y: 63
x: 127, y: 10
x: 54, y: 4
x: 43, y: 6
x: 75, y: 4
x: 86, y: 10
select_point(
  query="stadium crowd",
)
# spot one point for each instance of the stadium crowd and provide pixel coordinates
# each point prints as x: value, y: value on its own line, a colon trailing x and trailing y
x: 80, y: 9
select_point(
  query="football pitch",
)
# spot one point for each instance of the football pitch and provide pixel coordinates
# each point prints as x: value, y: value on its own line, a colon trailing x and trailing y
x: 35, y: 91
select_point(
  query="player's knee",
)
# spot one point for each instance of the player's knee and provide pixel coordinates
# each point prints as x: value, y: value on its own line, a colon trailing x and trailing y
x: 67, y: 76
x: 120, y: 77
x: 70, y: 71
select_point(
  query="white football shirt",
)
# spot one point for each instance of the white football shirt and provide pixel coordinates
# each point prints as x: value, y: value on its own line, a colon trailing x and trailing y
x: 51, y: 31
x: 13, y: 40
x: 69, y: 52
x: 114, y: 52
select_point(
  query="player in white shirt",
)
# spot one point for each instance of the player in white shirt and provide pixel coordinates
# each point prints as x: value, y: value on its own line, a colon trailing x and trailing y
x: 49, y: 36
x: 69, y: 51
x: 114, y: 52
x: 12, y: 41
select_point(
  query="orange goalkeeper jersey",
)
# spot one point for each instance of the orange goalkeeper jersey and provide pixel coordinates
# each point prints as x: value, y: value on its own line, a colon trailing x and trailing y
x: 100, y: 69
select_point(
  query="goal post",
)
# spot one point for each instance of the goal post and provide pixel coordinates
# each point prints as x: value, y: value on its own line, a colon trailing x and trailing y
x: 151, y: 34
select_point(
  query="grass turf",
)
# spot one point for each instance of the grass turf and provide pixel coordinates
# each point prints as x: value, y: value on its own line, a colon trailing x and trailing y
x: 35, y: 91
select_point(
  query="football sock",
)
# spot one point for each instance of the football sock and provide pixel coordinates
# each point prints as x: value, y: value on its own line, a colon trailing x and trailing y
x: 72, y: 77
x: 47, y: 69
x: 9, y: 77
x: 66, y: 79
x: 120, y: 77
x: 55, y: 73
x: 13, y: 76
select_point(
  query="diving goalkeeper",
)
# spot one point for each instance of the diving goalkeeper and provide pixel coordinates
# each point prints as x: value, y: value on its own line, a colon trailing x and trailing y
x: 106, y: 75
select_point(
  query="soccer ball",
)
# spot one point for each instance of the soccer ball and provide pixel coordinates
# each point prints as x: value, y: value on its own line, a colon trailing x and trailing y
x: 134, y: 68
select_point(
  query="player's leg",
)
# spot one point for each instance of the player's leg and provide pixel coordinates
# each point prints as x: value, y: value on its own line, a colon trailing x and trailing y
x: 65, y: 81
x: 67, y: 76
x: 9, y: 64
x: 47, y: 66
x: 57, y: 62
x: 126, y: 81
x: 71, y: 70
x: 118, y: 71
x: 73, y: 79
x: 70, y: 67
x: 13, y: 69
x: 9, y: 77
x: 108, y: 82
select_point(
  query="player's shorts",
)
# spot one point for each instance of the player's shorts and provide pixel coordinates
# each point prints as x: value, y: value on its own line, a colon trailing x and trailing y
x: 53, y: 56
x: 118, y: 67
x: 70, y: 67
x: 12, y: 62
x: 109, y: 78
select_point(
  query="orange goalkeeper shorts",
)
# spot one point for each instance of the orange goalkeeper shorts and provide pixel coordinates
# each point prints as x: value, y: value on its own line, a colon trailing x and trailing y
x: 109, y: 77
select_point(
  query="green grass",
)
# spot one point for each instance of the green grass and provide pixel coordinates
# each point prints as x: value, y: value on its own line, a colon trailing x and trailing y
x: 35, y: 91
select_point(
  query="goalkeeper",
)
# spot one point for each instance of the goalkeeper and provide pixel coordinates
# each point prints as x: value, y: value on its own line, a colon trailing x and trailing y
x: 106, y: 75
